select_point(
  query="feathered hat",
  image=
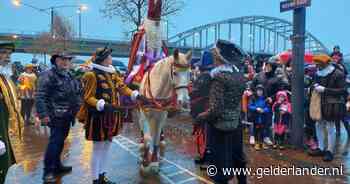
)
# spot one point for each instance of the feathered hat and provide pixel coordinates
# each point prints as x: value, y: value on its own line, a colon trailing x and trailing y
x: 322, y: 58
x: 229, y: 53
x: 101, y: 54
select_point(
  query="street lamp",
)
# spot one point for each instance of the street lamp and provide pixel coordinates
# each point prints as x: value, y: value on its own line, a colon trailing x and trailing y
x: 16, y: 3
x: 81, y: 8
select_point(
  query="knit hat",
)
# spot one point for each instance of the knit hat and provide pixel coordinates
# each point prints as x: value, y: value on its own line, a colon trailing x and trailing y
x: 282, y: 94
x: 101, y: 54
x: 259, y: 86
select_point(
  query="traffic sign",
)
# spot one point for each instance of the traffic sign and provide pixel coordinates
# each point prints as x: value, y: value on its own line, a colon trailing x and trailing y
x: 293, y: 4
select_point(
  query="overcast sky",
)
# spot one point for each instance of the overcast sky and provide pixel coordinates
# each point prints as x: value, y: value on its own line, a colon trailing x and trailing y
x: 325, y: 19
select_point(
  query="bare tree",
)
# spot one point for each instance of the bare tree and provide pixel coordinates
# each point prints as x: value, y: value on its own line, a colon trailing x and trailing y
x: 62, y: 28
x: 132, y: 12
x: 62, y: 33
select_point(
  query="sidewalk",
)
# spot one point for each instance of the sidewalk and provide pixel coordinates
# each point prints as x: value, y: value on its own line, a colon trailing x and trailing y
x: 177, y: 167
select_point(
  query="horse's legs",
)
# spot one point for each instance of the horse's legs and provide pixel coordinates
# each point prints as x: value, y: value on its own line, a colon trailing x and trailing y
x: 139, y: 117
x: 146, y: 140
x: 156, y: 124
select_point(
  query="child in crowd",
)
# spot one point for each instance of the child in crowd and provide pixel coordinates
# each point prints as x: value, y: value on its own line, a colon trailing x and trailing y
x: 246, y: 118
x: 259, y: 109
x: 310, y: 130
x: 282, y: 109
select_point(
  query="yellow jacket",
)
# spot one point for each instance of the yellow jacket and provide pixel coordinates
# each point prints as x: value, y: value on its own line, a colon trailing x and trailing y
x: 89, y: 81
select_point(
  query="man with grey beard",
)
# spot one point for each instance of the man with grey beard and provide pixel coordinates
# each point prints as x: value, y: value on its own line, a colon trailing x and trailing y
x: 9, y: 106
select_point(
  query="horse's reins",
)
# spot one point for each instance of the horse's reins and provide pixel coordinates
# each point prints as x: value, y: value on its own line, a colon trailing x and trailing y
x: 164, y: 104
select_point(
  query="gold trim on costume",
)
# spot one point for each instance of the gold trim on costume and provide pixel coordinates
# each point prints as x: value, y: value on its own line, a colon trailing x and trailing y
x: 101, y: 77
x: 105, y: 86
x: 10, y: 97
x: 106, y: 96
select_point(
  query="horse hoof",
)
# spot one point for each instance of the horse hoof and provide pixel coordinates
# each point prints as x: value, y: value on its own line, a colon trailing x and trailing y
x: 143, y: 171
x: 162, y: 144
x: 141, y: 148
x: 152, y: 168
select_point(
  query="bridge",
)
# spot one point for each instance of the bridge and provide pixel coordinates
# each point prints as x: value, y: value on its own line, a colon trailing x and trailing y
x: 82, y: 47
x: 255, y: 34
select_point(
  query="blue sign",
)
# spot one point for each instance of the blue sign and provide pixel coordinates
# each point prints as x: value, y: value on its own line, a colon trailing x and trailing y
x: 294, y: 4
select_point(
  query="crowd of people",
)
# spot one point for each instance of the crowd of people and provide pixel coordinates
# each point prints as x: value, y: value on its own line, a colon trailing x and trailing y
x: 266, y: 109
x: 268, y: 103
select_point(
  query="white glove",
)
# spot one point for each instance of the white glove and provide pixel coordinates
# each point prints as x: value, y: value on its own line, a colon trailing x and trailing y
x: 2, y: 148
x: 347, y: 105
x: 320, y: 89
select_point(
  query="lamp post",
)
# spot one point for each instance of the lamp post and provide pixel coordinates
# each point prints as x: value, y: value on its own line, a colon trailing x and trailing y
x: 167, y: 29
x: 81, y: 8
x: 298, y: 43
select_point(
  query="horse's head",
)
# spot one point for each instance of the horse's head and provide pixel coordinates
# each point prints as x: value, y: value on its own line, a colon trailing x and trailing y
x: 180, y: 73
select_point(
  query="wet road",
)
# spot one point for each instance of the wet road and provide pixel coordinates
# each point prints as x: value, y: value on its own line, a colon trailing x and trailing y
x: 177, y: 166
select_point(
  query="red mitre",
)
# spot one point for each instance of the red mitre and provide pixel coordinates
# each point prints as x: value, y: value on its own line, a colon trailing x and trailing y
x: 154, y: 10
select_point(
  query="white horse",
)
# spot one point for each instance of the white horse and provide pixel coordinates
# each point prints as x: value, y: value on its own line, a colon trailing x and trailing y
x: 167, y: 78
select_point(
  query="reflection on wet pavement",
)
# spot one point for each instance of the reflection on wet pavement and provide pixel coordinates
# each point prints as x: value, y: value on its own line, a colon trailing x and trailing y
x: 177, y: 167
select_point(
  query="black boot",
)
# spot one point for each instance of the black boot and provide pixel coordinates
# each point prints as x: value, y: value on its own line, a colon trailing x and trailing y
x: 104, y: 180
x: 347, y: 127
x: 328, y: 156
x: 63, y: 170
x: 316, y: 153
x: 49, y: 178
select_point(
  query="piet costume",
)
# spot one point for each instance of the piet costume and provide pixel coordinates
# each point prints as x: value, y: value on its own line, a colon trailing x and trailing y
x: 101, y: 111
x: 223, y: 113
x: 102, y: 87
x: 147, y: 46
x: 9, y: 112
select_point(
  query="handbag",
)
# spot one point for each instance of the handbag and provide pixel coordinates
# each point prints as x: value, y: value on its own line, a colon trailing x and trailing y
x: 280, y: 128
x: 315, y: 106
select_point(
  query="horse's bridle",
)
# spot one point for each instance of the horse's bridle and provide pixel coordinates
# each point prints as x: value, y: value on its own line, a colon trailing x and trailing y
x: 157, y: 103
x: 181, y: 67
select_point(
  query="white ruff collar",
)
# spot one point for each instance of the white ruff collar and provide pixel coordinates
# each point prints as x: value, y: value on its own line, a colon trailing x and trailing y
x: 6, y: 70
x: 326, y: 71
x: 221, y: 68
x: 28, y: 74
x: 109, y: 69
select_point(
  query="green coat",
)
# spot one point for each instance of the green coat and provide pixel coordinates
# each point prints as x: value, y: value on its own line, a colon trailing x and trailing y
x: 7, y: 159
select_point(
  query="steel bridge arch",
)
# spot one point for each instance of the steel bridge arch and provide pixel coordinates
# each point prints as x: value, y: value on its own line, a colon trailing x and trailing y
x: 264, y: 35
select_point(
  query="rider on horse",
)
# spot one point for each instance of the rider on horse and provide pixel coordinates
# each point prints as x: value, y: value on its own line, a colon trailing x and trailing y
x: 147, y: 46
